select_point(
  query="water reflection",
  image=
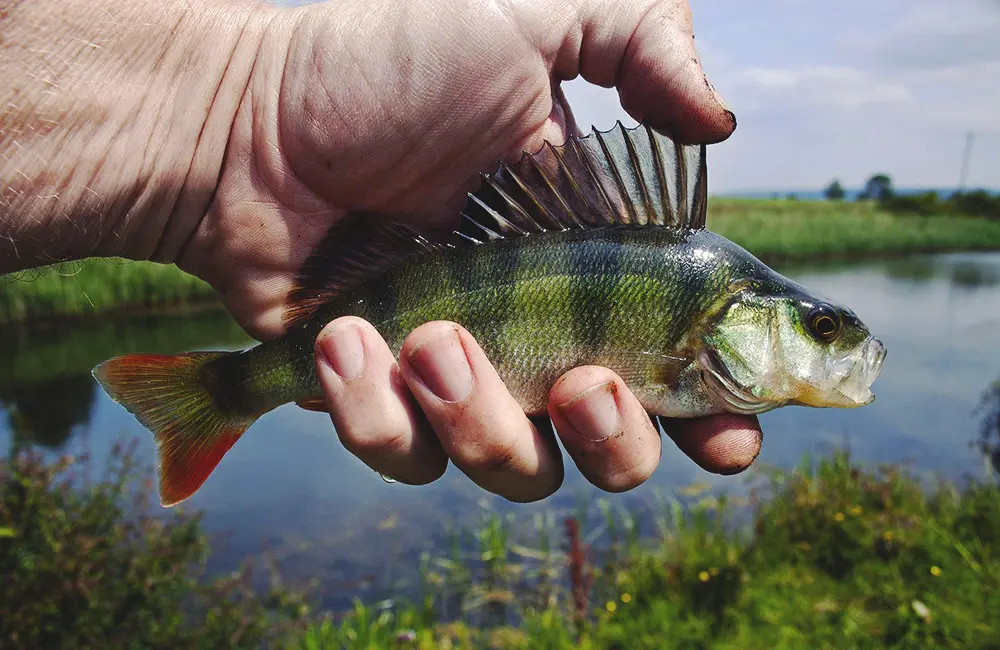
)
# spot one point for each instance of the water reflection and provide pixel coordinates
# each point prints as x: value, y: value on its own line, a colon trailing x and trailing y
x: 46, y: 412
x: 46, y: 390
x: 292, y: 486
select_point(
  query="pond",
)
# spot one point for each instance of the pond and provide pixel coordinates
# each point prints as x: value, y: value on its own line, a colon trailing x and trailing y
x: 290, y: 487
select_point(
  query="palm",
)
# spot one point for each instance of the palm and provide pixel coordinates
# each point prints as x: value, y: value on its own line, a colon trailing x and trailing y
x: 298, y: 158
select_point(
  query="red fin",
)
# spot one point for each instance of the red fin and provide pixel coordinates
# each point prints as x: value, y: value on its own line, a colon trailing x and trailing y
x: 168, y: 395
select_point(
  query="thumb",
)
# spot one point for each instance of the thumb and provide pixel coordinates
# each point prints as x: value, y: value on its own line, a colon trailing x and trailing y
x: 644, y: 48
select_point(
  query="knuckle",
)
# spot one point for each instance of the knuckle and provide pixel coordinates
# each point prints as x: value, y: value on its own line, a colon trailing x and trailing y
x: 485, y: 457
x: 374, y: 435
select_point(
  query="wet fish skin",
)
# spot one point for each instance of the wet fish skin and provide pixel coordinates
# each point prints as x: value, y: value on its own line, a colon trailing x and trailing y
x: 629, y: 298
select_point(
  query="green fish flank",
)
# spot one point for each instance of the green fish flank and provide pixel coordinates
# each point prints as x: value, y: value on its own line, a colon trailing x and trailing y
x: 591, y: 253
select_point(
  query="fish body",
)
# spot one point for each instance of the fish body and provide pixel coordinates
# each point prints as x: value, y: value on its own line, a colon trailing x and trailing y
x: 594, y: 253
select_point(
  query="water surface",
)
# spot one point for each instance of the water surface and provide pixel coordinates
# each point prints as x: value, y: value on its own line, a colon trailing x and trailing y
x: 290, y: 485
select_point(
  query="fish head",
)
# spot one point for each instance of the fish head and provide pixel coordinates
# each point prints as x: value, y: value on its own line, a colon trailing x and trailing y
x: 769, y: 349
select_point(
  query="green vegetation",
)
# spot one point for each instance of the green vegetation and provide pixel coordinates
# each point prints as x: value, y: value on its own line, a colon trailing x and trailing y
x: 836, y: 557
x: 782, y: 230
x: 96, y: 285
x: 774, y: 230
x: 84, y: 565
x: 830, y: 555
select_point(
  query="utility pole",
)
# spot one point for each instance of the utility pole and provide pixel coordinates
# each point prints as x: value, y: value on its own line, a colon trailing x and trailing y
x: 965, y: 162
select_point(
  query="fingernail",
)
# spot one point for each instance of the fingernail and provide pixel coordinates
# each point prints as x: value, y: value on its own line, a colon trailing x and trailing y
x: 343, y: 350
x: 594, y: 412
x: 443, y: 367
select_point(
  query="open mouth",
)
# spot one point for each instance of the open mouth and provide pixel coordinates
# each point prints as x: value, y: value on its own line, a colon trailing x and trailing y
x: 856, y: 386
x: 734, y: 398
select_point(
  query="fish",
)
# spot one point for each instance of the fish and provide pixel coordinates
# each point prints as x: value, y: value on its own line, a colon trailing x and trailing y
x: 595, y: 251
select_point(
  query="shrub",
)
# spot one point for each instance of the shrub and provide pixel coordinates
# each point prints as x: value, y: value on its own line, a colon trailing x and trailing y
x: 85, y: 565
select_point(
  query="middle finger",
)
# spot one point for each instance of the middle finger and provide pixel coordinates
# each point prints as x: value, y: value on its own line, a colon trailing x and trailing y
x: 481, y: 426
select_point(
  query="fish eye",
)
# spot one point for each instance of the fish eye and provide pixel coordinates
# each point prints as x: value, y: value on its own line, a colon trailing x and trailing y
x: 825, y: 323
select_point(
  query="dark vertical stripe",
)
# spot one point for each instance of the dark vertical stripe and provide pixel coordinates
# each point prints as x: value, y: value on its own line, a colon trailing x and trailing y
x: 483, y: 274
x: 503, y: 267
x: 595, y: 270
x: 381, y: 299
x: 695, y: 282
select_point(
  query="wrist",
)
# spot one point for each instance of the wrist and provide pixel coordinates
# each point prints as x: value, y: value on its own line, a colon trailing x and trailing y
x: 116, y: 122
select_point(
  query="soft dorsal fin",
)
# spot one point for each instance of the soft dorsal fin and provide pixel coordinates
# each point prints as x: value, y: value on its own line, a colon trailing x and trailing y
x: 354, y: 249
x: 622, y: 176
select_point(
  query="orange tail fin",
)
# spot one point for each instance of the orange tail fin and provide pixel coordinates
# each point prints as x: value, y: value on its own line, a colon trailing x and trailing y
x: 167, y: 394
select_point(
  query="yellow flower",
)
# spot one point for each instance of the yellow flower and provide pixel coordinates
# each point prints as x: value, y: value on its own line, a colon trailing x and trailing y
x: 626, y: 597
x: 855, y: 510
x: 935, y: 571
x: 887, y: 535
x: 703, y: 576
x: 839, y: 516
x: 611, y: 606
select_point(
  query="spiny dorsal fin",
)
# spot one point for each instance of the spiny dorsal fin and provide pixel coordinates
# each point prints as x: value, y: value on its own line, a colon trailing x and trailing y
x: 619, y: 177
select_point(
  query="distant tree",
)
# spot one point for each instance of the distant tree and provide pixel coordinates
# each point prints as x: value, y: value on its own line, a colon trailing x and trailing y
x: 834, y: 191
x: 878, y: 188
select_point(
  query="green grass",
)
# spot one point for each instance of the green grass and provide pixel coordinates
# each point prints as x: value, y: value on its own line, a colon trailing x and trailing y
x: 92, y: 286
x: 774, y: 230
x: 804, y: 230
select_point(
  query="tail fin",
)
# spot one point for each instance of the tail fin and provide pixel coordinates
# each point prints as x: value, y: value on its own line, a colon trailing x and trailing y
x: 168, y: 395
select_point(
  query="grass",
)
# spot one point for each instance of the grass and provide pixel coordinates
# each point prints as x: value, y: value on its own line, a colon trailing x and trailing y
x: 93, y: 286
x: 779, y: 230
x: 774, y: 230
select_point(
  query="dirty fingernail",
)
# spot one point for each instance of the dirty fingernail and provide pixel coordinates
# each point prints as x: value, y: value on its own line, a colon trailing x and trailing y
x: 594, y: 412
x: 443, y: 367
x: 343, y: 350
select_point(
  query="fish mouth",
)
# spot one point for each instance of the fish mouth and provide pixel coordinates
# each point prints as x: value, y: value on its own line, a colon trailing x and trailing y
x: 733, y: 397
x: 856, y: 385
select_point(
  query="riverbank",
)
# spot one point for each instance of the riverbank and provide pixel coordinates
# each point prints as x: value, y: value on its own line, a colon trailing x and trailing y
x: 833, y: 554
x: 778, y: 230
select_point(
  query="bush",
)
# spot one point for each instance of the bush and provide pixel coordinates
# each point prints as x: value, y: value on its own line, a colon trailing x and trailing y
x: 85, y: 565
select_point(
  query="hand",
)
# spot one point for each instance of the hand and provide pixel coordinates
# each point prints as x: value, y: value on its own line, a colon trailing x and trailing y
x: 393, y: 107
x: 262, y: 126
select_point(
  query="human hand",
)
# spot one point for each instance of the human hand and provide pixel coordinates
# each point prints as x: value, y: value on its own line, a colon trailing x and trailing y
x: 394, y: 107
x: 389, y: 107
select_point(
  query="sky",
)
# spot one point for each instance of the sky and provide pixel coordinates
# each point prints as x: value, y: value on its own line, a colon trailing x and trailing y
x: 844, y: 89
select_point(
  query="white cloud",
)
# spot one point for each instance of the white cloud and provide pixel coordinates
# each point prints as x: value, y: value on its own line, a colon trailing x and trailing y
x: 831, y: 86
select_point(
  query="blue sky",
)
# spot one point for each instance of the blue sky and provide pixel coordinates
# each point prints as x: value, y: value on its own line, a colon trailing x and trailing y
x: 844, y: 89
